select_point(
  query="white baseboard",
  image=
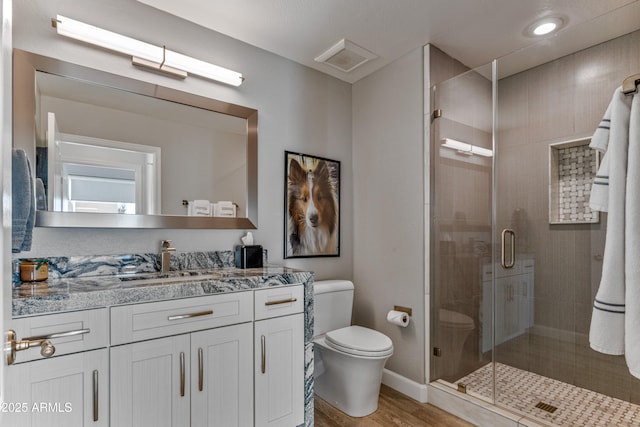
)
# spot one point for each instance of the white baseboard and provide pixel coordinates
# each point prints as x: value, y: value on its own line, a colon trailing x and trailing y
x: 475, y: 411
x: 405, y: 386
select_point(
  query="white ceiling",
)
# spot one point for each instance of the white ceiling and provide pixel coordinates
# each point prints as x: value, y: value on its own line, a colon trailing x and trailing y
x: 472, y: 31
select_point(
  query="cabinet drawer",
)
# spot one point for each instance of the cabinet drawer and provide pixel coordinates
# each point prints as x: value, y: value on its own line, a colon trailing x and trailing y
x: 86, y: 330
x: 138, y: 322
x: 487, y: 271
x: 280, y: 301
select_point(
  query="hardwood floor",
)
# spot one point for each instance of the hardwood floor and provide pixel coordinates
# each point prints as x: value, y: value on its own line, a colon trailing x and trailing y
x: 394, y: 409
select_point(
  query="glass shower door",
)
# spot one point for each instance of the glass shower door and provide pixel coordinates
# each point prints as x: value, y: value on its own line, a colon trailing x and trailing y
x: 462, y: 246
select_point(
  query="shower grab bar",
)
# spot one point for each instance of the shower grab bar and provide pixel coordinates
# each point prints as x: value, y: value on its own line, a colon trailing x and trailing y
x: 503, y: 259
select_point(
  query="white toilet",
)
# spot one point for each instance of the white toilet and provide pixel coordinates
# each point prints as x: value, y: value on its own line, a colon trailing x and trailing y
x: 456, y: 329
x: 348, y: 359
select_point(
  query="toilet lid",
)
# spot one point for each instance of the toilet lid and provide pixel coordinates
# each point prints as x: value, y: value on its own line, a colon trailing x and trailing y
x: 359, y: 341
x: 454, y: 319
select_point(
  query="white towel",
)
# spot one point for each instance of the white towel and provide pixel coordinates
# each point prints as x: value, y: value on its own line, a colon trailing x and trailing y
x: 606, y: 334
x: 632, y: 243
x: 600, y: 141
x: 615, y: 190
x: 199, y: 208
x: 227, y: 209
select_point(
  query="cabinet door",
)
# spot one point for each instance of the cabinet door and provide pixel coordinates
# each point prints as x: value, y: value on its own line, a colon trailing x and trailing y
x: 524, y: 310
x: 150, y: 383
x: 64, y: 391
x: 222, y: 377
x: 507, y: 316
x: 279, y: 370
x: 528, y: 300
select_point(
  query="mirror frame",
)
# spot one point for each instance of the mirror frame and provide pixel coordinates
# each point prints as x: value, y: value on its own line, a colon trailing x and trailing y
x: 25, y: 65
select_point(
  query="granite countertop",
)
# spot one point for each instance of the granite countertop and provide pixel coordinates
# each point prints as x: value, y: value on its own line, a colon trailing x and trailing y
x: 82, y: 293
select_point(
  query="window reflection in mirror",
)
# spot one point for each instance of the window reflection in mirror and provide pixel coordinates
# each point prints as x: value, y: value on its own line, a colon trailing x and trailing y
x: 92, y: 175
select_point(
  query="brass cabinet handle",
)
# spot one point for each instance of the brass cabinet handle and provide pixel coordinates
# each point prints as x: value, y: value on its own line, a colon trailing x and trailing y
x: 182, y: 373
x: 47, y: 349
x: 95, y: 395
x: 281, y: 301
x: 60, y: 334
x: 189, y: 315
x: 263, y: 357
x: 200, y: 369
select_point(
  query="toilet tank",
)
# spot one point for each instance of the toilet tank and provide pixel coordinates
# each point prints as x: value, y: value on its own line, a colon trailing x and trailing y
x: 332, y: 304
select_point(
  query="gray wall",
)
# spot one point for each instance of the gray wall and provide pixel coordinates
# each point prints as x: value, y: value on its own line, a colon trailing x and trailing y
x: 389, y: 203
x: 299, y: 110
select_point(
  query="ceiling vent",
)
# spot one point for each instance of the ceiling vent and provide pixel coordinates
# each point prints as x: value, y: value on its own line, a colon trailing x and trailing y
x: 345, y: 56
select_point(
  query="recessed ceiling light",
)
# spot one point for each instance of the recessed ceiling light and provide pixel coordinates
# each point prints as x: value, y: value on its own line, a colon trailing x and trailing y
x: 546, y: 25
x: 545, y: 28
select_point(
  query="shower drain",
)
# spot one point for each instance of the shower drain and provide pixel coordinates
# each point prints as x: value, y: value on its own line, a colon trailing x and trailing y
x: 546, y: 407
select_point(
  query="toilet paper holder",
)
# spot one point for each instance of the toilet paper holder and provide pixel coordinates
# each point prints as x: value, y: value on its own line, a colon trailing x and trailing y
x: 407, y: 310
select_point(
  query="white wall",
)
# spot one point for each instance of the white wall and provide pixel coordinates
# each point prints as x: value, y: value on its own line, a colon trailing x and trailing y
x: 299, y: 110
x: 389, y: 198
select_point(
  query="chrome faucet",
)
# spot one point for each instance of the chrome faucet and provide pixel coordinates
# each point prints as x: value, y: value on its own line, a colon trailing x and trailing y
x: 165, y: 255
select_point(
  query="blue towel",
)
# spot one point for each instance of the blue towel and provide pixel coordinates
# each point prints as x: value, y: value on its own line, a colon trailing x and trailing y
x: 24, y: 213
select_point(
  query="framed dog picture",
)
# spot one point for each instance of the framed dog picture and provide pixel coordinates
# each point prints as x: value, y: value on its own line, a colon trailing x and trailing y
x: 312, y: 206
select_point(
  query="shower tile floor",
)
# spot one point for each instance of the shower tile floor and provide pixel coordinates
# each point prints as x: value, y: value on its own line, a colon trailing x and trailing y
x: 522, y: 390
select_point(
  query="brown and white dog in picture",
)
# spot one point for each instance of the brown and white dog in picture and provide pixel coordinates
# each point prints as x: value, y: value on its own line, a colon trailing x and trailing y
x: 312, y: 210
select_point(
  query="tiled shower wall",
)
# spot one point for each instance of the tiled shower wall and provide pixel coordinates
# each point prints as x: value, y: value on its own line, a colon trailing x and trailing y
x: 560, y: 101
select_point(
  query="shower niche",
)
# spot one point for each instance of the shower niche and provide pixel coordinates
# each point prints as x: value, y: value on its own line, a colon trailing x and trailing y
x: 572, y: 168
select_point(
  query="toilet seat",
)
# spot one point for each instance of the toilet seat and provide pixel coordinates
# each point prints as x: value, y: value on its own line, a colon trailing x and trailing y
x: 455, y: 320
x: 359, y: 341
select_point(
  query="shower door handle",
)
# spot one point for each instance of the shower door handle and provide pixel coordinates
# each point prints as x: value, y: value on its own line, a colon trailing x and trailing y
x: 512, y: 237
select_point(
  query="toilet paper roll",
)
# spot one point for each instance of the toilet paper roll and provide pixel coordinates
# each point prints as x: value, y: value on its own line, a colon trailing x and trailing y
x: 399, y: 318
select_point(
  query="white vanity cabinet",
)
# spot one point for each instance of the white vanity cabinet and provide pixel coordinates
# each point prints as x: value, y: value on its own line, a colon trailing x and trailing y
x: 279, y: 356
x: 226, y: 359
x: 202, y: 378
x: 72, y: 387
x: 514, y: 297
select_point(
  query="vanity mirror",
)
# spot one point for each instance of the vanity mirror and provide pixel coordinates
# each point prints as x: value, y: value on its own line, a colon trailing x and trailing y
x: 114, y: 152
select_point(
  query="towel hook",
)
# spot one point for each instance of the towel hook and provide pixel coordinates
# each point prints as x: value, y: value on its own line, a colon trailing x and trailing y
x: 630, y: 84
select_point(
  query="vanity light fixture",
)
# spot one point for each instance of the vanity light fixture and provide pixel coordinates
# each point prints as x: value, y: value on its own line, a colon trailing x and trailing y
x: 466, y: 149
x: 143, y: 54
